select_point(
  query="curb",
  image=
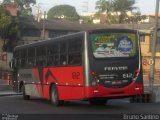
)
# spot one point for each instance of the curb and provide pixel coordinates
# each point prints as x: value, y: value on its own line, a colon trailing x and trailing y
x: 9, y: 94
x: 4, y: 88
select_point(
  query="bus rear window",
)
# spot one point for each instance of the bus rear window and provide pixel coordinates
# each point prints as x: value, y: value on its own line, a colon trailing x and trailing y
x: 108, y: 45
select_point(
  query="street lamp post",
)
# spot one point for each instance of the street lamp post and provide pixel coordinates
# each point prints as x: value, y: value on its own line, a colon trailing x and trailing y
x: 154, y: 47
x: 44, y: 20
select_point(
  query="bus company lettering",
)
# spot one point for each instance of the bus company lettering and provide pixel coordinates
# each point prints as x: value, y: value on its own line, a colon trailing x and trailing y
x: 108, y: 76
x: 141, y: 117
x: 104, y: 39
x: 116, y: 68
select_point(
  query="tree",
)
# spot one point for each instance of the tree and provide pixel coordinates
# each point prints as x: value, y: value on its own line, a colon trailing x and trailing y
x: 24, y: 6
x: 8, y: 29
x: 136, y: 17
x: 118, y: 8
x: 105, y: 6
x: 63, y: 12
x: 122, y: 7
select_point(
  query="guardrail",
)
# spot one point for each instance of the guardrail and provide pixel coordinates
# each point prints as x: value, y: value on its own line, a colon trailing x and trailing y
x: 5, y: 78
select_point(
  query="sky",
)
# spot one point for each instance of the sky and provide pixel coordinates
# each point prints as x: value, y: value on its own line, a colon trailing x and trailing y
x: 145, y: 6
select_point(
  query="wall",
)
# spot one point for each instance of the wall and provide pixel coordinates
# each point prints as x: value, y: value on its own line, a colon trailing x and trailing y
x: 145, y: 45
x: 146, y: 54
x: 5, y: 58
x: 12, y: 8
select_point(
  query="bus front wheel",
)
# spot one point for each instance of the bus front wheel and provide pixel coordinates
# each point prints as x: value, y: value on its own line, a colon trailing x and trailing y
x: 25, y: 97
x: 55, y: 97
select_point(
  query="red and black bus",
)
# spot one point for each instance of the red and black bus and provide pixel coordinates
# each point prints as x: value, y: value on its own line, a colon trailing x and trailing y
x: 94, y: 65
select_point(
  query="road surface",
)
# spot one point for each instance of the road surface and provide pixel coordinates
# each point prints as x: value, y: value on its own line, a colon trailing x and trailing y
x: 15, y: 105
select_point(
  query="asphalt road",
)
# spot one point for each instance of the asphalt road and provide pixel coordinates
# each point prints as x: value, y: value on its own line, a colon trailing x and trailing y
x: 16, y: 105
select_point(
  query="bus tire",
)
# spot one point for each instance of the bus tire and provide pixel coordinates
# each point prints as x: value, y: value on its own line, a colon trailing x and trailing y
x: 25, y: 97
x: 98, y: 101
x: 132, y: 99
x: 54, y: 97
x: 21, y: 87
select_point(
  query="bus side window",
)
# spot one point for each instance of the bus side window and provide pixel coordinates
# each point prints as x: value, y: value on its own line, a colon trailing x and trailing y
x: 17, y: 59
x: 63, y: 53
x: 53, y: 54
x: 41, y: 56
x: 75, y: 52
x: 23, y: 58
x: 74, y: 59
x: 63, y: 59
x: 31, y: 57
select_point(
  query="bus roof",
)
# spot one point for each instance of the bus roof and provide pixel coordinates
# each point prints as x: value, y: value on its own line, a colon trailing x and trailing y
x: 48, y: 41
x: 73, y: 35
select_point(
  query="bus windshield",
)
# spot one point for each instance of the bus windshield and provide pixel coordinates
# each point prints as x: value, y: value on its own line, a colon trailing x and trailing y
x: 113, y: 44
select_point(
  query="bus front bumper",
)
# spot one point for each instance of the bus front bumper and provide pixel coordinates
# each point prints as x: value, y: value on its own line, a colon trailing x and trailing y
x: 101, y: 91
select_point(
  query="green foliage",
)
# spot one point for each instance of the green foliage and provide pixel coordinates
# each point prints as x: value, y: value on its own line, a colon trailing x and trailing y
x: 8, y: 29
x: 63, y: 12
x: 24, y: 7
x: 117, y: 7
x: 123, y: 6
x: 104, y: 6
x: 5, y: 19
x: 137, y: 17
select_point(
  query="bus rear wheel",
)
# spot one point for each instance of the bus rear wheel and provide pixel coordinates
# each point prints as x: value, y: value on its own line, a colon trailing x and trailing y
x: 98, y: 101
x: 25, y: 97
x: 54, y: 97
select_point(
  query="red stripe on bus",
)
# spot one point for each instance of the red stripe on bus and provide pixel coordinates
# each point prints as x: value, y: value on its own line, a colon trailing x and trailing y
x: 62, y: 76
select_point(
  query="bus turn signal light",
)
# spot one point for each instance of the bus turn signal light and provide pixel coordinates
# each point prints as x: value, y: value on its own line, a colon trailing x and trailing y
x: 94, y: 73
x: 95, y: 78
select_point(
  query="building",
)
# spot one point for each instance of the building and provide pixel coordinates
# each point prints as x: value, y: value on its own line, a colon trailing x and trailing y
x: 146, y: 46
x: 149, y: 19
x: 32, y: 31
x: 11, y: 7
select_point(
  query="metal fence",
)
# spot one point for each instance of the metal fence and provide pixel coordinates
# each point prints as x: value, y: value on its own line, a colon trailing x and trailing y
x: 5, y: 78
